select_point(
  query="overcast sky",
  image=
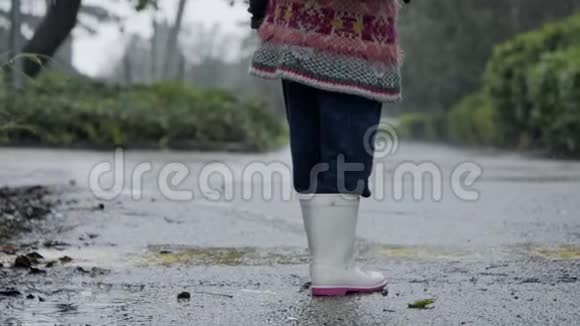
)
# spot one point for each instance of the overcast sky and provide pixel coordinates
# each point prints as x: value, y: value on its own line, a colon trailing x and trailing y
x: 94, y: 53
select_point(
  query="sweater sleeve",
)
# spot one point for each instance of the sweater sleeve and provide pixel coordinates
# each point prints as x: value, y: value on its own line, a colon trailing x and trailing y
x: 258, y: 10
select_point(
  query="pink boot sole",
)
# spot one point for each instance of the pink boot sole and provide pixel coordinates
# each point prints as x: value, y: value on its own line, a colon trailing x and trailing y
x: 342, y: 291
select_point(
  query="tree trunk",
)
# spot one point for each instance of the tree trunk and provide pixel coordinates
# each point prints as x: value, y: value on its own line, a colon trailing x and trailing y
x: 172, y: 47
x: 16, y: 78
x: 516, y: 17
x: 127, y: 69
x: 60, y: 20
x: 155, y: 52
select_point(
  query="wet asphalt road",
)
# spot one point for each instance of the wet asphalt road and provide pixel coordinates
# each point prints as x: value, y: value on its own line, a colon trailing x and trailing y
x: 512, y: 257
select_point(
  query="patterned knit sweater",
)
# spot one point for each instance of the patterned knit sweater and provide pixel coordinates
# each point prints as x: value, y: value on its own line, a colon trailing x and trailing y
x: 347, y: 46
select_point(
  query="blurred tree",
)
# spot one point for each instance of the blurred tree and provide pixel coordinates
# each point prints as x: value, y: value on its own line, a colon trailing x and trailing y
x: 448, y: 42
x: 30, y: 19
x: 57, y: 25
x: 201, y: 62
x: 173, y: 39
x: 61, y: 18
x: 15, y: 37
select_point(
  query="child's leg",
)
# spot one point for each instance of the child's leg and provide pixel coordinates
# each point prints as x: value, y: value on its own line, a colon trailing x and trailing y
x: 347, y: 125
x: 347, y: 129
x: 304, y: 120
x: 327, y: 132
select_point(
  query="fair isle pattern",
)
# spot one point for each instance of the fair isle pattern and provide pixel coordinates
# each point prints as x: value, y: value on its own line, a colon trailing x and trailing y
x: 328, y: 71
x: 365, y: 28
x: 337, y: 45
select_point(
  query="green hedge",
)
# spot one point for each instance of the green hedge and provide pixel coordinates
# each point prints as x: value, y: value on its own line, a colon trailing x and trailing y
x: 60, y: 111
x: 510, y: 73
x: 530, y: 98
x: 422, y: 126
x: 474, y: 121
x: 554, y: 94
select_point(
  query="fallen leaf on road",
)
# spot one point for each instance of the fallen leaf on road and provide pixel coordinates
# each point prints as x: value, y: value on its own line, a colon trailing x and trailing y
x: 65, y: 259
x: 22, y: 262
x: 37, y: 271
x: 421, y: 304
x: 93, y: 272
x: 55, y: 244
x: 10, y: 293
x: 9, y: 250
x: 81, y: 270
x: 34, y: 255
x: 305, y: 287
x: 184, y: 296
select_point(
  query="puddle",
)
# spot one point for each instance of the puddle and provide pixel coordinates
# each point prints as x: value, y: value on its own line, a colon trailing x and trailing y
x: 403, y: 252
x: 561, y: 253
x: 87, y: 309
x: 164, y: 255
x: 103, y: 257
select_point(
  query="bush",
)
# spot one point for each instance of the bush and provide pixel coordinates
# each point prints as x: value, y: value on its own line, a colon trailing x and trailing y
x: 475, y: 121
x: 531, y: 94
x: 422, y: 126
x: 554, y: 93
x: 506, y: 78
x: 59, y: 111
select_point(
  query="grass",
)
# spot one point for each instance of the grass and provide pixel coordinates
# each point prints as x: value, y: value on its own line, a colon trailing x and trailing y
x: 61, y: 111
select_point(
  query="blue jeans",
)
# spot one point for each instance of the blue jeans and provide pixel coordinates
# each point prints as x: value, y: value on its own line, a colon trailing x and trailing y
x: 331, y: 139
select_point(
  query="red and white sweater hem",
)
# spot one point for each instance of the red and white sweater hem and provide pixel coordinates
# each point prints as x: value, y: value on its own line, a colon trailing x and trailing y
x: 280, y: 73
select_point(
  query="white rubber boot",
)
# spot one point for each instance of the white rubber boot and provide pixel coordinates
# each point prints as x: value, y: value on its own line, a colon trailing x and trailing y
x: 330, y: 221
